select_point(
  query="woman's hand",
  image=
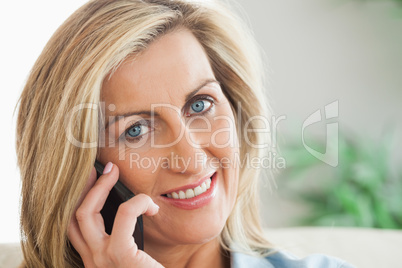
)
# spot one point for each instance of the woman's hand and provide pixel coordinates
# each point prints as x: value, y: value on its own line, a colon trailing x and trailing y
x: 86, y: 230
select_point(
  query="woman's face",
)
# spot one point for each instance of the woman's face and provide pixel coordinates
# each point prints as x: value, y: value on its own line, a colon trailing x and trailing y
x: 171, y: 131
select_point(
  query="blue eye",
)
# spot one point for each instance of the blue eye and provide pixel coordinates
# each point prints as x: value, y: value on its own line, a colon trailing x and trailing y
x: 138, y: 130
x: 134, y: 131
x: 198, y: 106
x: 201, y: 105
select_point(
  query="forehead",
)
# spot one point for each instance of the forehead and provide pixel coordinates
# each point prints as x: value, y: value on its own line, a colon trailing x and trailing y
x: 165, y: 72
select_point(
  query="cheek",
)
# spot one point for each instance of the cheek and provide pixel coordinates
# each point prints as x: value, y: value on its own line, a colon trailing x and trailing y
x: 225, y: 143
x: 232, y: 179
x: 225, y: 147
x: 136, y: 171
x: 223, y: 133
x: 137, y: 180
x: 142, y: 171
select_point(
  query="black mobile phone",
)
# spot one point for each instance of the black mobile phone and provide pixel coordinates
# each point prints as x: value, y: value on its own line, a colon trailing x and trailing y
x: 119, y: 194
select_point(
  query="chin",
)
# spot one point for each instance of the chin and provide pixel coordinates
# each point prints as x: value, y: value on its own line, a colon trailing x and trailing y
x: 192, y: 235
x: 193, y: 231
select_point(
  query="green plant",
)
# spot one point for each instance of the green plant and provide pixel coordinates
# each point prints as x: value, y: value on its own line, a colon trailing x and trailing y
x: 363, y: 190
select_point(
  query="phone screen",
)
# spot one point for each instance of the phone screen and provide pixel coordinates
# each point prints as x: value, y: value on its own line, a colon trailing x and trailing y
x: 119, y: 194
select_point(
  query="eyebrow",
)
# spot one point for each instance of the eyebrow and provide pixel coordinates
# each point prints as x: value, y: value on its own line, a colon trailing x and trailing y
x: 189, y: 95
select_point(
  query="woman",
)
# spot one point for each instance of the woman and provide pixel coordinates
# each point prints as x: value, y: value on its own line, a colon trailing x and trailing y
x: 166, y: 95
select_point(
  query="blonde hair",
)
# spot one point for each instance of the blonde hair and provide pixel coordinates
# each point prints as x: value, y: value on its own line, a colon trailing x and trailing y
x: 70, y: 71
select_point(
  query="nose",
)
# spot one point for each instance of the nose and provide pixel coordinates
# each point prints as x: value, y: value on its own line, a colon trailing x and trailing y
x: 186, y: 155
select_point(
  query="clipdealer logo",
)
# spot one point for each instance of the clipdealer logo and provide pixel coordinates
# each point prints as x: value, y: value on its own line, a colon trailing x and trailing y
x: 330, y: 156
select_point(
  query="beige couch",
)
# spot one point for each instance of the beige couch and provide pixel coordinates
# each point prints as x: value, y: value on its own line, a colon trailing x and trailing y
x: 366, y: 248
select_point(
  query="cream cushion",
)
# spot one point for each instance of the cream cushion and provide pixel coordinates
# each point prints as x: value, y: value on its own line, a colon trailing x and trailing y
x: 367, y: 248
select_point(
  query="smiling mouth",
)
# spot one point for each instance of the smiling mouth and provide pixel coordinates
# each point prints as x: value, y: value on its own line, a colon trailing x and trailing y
x: 191, y: 192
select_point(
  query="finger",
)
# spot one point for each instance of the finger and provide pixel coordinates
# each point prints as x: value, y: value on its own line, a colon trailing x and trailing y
x: 90, y: 183
x: 95, y: 199
x: 76, y: 238
x: 73, y: 230
x: 88, y: 215
x: 126, y: 218
x: 78, y: 242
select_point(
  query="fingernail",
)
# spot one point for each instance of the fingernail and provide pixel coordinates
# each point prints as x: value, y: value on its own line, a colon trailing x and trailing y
x: 156, y: 206
x: 108, y: 168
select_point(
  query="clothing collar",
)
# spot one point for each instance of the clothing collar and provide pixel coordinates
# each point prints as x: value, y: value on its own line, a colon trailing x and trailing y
x: 241, y: 260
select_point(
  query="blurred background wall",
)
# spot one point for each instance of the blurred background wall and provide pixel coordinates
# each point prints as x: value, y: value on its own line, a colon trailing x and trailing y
x: 317, y: 52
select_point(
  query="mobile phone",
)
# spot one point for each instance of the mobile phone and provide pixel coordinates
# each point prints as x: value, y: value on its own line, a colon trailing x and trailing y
x: 119, y: 194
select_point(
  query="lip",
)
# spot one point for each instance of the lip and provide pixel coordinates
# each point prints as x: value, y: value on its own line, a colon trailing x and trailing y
x: 190, y: 186
x: 197, y: 201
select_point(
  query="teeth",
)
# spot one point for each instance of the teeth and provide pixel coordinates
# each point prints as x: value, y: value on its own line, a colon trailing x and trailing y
x: 198, y: 190
x: 208, y: 183
x: 190, y: 193
x: 203, y: 187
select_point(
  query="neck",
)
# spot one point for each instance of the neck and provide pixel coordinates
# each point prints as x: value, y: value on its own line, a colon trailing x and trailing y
x: 206, y: 255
